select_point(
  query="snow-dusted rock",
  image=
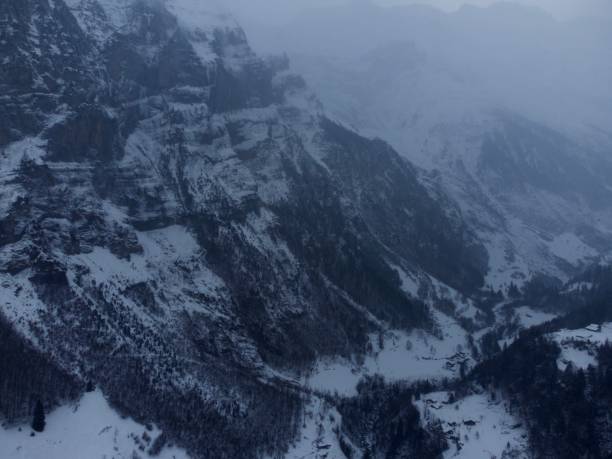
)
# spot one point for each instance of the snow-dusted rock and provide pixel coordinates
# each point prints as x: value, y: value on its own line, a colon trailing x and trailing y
x: 180, y: 220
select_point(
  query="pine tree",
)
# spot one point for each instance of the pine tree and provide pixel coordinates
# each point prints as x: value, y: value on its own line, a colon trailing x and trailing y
x: 513, y: 291
x: 38, y: 422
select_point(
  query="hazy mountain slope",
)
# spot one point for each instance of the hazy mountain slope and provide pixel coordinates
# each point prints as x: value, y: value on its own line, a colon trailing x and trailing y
x: 511, y: 125
x: 180, y: 221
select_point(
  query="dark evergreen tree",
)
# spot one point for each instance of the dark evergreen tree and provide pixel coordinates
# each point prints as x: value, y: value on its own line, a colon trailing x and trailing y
x: 513, y: 291
x: 383, y: 420
x: 38, y: 422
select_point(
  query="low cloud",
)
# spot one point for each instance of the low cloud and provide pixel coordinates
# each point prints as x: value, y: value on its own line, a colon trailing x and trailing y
x: 279, y: 11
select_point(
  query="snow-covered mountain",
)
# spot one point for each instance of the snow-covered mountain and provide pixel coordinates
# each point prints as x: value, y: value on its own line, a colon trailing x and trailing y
x: 183, y: 226
x: 504, y: 107
x: 200, y: 259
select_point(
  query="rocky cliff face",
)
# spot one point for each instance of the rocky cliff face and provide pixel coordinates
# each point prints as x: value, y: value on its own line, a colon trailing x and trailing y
x: 180, y: 221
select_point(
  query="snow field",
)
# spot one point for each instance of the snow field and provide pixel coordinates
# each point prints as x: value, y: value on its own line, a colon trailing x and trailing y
x: 476, y: 426
x: 89, y: 429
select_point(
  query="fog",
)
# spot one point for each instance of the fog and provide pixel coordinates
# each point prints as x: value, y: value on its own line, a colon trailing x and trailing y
x: 546, y: 60
x: 278, y: 11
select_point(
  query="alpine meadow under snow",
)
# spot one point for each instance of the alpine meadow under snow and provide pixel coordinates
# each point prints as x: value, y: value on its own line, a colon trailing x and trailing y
x: 287, y: 230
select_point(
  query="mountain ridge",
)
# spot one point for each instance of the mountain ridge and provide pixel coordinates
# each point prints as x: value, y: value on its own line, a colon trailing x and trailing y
x: 181, y: 222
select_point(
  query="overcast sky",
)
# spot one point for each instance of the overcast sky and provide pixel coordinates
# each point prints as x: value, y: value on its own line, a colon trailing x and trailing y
x: 280, y: 10
x: 560, y: 8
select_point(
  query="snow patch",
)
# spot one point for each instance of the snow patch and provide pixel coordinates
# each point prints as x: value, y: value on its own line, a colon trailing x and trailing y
x: 171, y: 254
x: 318, y: 438
x: 20, y: 303
x: 476, y: 426
x: 11, y: 157
x: 571, y: 248
x: 88, y: 429
x: 505, y: 266
x: 398, y: 356
x: 410, y: 285
x: 578, y: 287
x: 528, y: 317
x: 579, y: 347
x: 200, y: 20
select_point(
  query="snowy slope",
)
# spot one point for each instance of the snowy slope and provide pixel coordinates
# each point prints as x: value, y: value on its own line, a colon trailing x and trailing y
x: 183, y: 224
x: 441, y: 124
x: 444, y: 88
x: 579, y: 347
x: 399, y: 356
x: 528, y: 317
x: 88, y: 429
x: 476, y: 426
x: 172, y: 207
x: 318, y: 437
